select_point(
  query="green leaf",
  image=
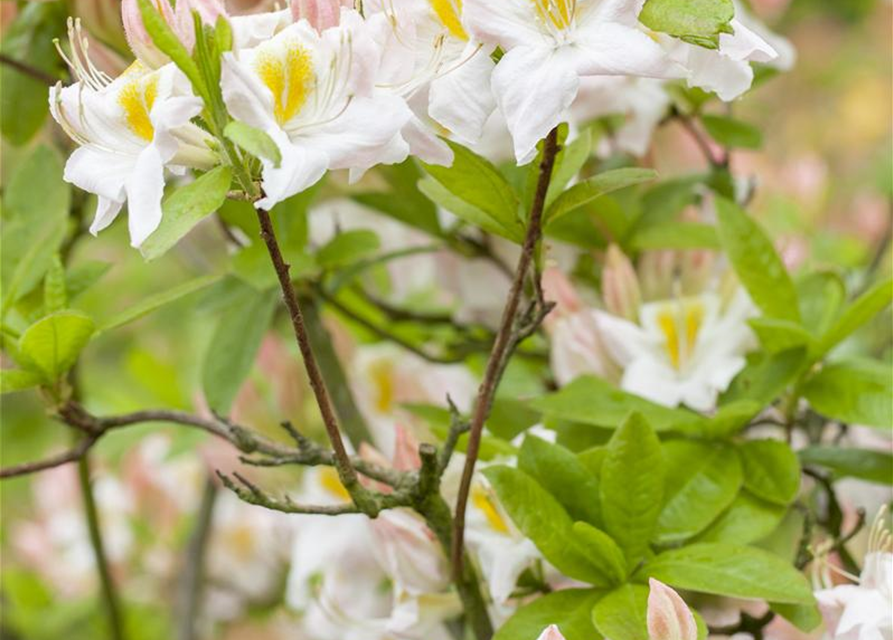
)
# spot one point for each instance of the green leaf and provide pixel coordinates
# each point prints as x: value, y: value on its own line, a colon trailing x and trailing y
x: 632, y: 486
x: 622, y: 614
x: 542, y: 519
x: 594, y: 401
x: 763, y: 380
x: 18, y: 380
x: 595, y: 187
x: 771, y: 470
x: 735, y: 571
x: 568, y: 163
x: 747, y: 520
x: 469, y: 213
x: 560, y: 472
x: 861, y: 311
x: 675, y: 235
x: 404, y: 201
x: 256, y: 142
x: 348, y: 247
x: 805, y: 617
x: 854, y: 391
x: 169, y: 43
x: 865, y: 464
x: 185, y: 208
x: 821, y: 295
x: 780, y: 335
x: 155, y: 302
x: 603, y: 551
x: 729, y: 419
x: 569, y: 609
x: 757, y: 264
x: 475, y: 181
x: 81, y: 277
x: 55, y: 297
x: 702, y: 481
x: 233, y: 347
x: 696, y: 21
x: 732, y: 133
x: 52, y: 345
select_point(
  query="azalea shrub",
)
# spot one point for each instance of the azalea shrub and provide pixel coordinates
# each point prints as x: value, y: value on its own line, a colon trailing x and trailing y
x: 440, y: 319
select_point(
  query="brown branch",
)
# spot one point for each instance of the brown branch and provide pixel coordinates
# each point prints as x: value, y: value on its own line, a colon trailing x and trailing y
x: 189, y: 586
x: 72, y: 455
x: 28, y: 70
x: 506, y: 339
x: 346, y: 471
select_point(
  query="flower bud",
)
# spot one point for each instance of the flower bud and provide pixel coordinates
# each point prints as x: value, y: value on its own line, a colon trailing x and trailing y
x: 668, y: 616
x: 657, y: 272
x: 695, y: 270
x: 620, y: 286
x: 551, y: 633
x: 179, y: 20
x: 558, y: 288
x: 321, y: 14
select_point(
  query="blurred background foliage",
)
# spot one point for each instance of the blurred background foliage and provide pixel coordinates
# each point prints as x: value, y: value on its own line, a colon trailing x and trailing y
x: 824, y: 188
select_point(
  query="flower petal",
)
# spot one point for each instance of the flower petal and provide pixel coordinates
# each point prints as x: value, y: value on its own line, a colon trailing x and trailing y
x: 462, y: 100
x: 145, y: 189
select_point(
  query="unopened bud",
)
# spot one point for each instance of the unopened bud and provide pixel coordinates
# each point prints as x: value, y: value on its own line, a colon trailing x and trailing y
x: 558, y: 288
x: 551, y: 633
x: 321, y: 14
x: 620, y: 286
x: 669, y: 618
x: 179, y: 20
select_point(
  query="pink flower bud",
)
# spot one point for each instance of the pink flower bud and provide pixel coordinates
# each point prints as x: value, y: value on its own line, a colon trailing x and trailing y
x: 620, y: 286
x: 179, y: 20
x: 657, y: 271
x: 551, y: 633
x: 406, y: 451
x: 668, y: 616
x: 558, y: 288
x: 321, y: 14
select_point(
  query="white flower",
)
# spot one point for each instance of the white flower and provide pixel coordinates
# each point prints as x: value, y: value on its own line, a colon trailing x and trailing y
x: 313, y: 95
x: 549, y: 45
x: 682, y: 351
x: 128, y: 130
x: 430, y: 60
x: 864, y: 610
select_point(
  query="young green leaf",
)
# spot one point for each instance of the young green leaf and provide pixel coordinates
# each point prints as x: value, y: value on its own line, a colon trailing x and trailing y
x: 805, y: 617
x: 348, y: 247
x: 52, y: 345
x: 763, y: 380
x: 622, y: 614
x: 233, y: 348
x: 12, y: 380
x: 730, y: 570
x: 702, y: 481
x: 632, y: 486
x: 771, y: 470
x: 821, y: 296
x: 674, y: 235
x: 861, y: 311
x: 595, y: 187
x: 155, y: 302
x: 698, y: 22
x: 757, y: 264
x: 780, y: 335
x: 468, y: 212
x: 569, y: 609
x: 542, y: 519
x: 747, y: 520
x: 55, y: 297
x: 603, y: 551
x: 254, y: 141
x: 865, y: 464
x: 564, y: 476
x: 732, y: 133
x: 856, y: 391
x: 185, y: 208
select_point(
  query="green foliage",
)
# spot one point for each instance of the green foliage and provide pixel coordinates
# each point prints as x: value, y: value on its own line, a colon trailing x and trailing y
x: 771, y: 470
x: 585, y: 192
x: 861, y: 311
x: 254, y: 141
x: 865, y: 464
x: 185, y: 208
x: 403, y: 201
x: 747, y: 520
x: 569, y: 609
x: 346, y: 248
x: 856, y: 391
x: 234, y: 346
x: 632, y: 487
x: 730, y: 570
x: 702, y: 481
x: 675, y: 235
x: 732, y: 133
x: 52, y: 345
x: 698, y: 22
x: 757, y: 264
x: 152, y: 303
x: 622, y: 613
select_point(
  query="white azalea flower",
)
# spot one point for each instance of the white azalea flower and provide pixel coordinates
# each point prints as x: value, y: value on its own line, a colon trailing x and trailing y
x: 312, y: 93
x: 128, y: 130
x: 430, y: 59
x: 682, y: 351
x: 549, y: 45
x: 863, y: 610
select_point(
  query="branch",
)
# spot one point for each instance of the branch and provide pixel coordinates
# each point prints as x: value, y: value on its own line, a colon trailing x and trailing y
x: 252, y: 494
x: 72, y: 455
x: 190, y: 584
x: 506, y: 339
x: 28, y: 70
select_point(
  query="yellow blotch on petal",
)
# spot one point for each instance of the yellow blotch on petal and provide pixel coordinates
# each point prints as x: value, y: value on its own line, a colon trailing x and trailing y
x: 137, y: 97
x: 328, y: 478
x: 560, y: 13
x: 484, y: 502
x: 449, y: 12
x: 382, y: 374
x: 680, y: 323
x: 289, y: 78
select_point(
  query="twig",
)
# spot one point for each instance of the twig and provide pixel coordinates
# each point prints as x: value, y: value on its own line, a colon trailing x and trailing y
x: 346, y: 472
x: 252, y: 494
x: 701, y: 141
x: 28, y: 70
x: 109, y: 593
x: 72, y: 455
x: 501, y: 349
x: 191, y: 582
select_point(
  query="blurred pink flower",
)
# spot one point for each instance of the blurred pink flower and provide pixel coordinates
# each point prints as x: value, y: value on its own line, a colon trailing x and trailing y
x: 669, y: 618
